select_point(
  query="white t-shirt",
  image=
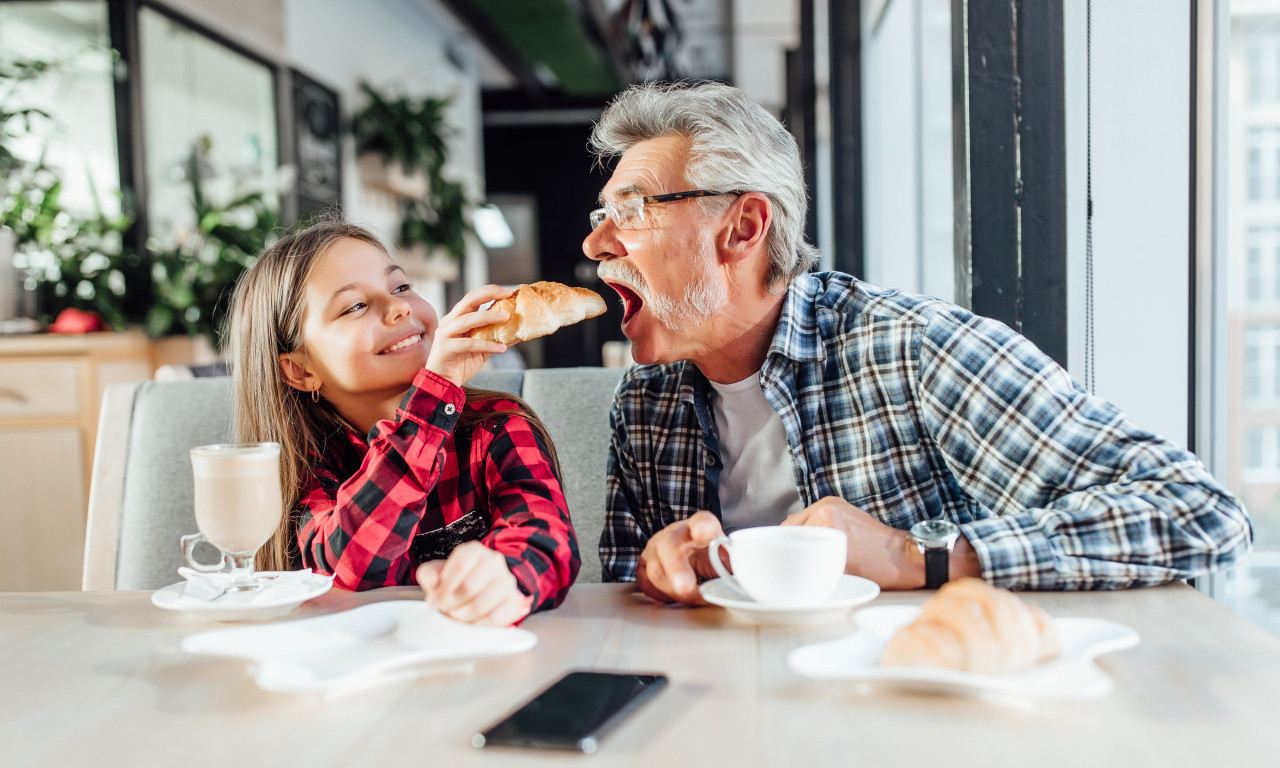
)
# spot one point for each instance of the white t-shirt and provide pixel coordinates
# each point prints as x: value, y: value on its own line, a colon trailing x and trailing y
x: 758, y: 482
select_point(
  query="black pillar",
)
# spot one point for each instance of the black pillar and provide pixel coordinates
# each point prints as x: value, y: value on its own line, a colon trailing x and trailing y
x: 801, y: 108
x: 122, y: 25
x: 845, y: 21
x: 1010, y: 159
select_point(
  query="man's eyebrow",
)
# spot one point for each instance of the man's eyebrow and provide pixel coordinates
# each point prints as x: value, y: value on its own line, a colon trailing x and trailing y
x: 630, y: 190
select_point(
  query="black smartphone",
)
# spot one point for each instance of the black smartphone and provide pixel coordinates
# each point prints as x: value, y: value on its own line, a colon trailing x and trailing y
x: 575, y: 712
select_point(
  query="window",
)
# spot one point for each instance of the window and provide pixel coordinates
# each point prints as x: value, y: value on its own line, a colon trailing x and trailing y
x: 1261, y: 50
x: 79, y: 137
x: 1263, y: 163
x: 1248, y: 405
x: 1253, y: 278
x: 207, y: 108
x: 1262, y: 366
x: 907, y: 149
x: 1254, y: 458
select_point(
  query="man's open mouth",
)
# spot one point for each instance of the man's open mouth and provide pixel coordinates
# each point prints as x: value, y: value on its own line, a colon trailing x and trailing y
x: 631, y: 301
x: 399, y: 345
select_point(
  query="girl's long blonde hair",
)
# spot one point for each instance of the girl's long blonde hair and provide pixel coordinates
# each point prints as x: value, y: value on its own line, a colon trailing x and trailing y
x: 265, y: 321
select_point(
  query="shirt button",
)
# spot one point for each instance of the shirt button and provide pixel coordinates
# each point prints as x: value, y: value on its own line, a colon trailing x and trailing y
x: 711, y: 460
x: 449, y: 409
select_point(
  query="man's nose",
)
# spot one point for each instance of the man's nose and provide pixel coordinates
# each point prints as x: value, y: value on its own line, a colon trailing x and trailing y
x: 598, y: 246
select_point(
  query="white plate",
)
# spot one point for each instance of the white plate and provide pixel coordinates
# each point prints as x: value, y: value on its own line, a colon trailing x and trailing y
x: 283, y: 591
x: 850, y: 592
x: 1072, y: 675
x: 355, y: 647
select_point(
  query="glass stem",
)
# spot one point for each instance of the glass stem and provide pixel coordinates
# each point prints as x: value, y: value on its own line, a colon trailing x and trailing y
x: 242, y: 578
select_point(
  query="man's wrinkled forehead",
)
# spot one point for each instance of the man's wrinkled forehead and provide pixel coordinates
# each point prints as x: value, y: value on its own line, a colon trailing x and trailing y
x: 650, y: 167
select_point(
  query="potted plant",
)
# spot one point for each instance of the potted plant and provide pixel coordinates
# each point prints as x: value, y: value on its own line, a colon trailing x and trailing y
x: 434, y: 230
x: 411, y: 135
x: 400, y: 142
x: 192, y: 279
x: 73, y: 261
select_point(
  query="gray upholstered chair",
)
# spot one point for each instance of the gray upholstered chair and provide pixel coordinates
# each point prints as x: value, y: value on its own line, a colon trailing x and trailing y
x: 140, y: 500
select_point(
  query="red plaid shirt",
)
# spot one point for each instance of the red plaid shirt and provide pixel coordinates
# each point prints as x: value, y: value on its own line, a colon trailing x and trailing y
x: 373, y: 511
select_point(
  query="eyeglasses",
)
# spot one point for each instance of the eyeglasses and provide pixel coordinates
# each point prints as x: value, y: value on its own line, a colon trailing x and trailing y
x: 629, y: 213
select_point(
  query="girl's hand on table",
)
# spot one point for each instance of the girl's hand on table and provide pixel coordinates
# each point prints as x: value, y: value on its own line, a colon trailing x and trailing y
x: 474, y: 585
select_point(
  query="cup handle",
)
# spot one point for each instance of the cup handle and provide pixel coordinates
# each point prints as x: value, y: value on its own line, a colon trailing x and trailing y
x: 713, y: 551
x: 189, y: 543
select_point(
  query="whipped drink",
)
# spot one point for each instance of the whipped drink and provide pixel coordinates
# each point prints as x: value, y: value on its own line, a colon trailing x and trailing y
x: 237, y: 494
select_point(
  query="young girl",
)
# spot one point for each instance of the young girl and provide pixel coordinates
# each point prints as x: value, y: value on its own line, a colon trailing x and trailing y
x: 398, y: 474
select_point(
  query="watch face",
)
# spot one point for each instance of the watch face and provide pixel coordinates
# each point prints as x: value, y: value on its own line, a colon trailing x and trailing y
x: 935, y: 533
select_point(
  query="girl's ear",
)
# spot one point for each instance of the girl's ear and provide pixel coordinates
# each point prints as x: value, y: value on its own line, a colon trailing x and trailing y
x: 296, y: 374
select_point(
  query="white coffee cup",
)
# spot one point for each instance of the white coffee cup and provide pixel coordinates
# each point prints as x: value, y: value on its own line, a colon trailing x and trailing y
x: 783, y: 564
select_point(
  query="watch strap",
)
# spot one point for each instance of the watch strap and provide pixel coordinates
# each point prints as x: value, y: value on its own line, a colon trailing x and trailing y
x: 937, y: 563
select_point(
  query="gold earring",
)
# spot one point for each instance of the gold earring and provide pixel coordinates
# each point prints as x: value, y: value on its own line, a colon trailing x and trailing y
x: 315, y: 395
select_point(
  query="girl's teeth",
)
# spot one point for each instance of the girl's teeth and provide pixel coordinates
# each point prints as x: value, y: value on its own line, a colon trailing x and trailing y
x: 403, y: 344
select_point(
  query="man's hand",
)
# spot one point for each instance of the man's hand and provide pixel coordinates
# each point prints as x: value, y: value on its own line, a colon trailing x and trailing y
x: 876, y: 551
x: 474, y: 585
x: 676, y: 557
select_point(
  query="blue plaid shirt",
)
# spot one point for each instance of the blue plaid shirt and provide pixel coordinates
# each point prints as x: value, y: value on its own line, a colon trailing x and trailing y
x: 913, y: 408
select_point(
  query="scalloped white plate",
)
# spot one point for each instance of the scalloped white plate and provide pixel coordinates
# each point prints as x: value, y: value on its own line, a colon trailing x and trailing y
x: 355, y: 647
x: 1072, y: 675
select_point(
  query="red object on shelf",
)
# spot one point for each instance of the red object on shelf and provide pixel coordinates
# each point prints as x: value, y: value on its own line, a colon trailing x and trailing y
x: 72, y: 320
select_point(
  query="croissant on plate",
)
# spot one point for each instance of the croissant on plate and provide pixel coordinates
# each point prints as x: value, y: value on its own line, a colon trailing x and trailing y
x: 972, y: 626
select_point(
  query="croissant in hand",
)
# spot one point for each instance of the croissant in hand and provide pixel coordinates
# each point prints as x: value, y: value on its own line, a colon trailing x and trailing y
x: 972, y: 626
x: 540, y: 308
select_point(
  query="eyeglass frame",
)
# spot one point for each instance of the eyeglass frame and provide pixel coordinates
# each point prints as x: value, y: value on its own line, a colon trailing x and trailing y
x: 609, y: 210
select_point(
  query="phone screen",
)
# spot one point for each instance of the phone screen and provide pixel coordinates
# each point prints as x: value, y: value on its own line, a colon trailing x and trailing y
x: 574, y: 712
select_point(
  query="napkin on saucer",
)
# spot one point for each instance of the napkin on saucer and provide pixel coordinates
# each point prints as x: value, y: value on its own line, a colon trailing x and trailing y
x: 276, y: 586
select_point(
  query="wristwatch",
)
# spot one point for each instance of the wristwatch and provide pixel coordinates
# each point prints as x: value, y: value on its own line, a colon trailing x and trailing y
x: 935, y: 538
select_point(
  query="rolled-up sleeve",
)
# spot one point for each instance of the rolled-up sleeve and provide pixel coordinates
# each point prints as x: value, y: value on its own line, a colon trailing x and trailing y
x: 1076, y: 496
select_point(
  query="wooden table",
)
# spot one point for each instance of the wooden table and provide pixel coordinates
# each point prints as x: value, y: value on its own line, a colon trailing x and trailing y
x: 97, y: 679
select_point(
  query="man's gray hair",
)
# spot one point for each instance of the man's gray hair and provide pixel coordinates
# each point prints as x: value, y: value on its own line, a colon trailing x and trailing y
x: 736, y: 145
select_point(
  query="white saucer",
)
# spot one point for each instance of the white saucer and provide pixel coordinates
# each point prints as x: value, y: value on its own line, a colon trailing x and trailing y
x: 850, y: 592
x: 364, y: 646
x: 1072, y: 675
x: 282, y: 592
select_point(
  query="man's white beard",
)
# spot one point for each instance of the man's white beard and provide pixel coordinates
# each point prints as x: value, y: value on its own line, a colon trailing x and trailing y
x: 703, y: 297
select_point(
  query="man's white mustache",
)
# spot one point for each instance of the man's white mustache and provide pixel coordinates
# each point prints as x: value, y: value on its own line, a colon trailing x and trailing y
x: 626, y: 274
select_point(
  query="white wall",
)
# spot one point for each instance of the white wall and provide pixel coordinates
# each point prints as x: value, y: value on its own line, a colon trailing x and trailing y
x: 762, y: 31
x: 1141, y: 177
x: 906, y: 122
x: 890, y: 152
x: 399, y: 46
x: 254, y: 24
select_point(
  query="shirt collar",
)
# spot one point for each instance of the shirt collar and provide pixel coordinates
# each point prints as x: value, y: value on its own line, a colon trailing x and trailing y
x: 797, y: 336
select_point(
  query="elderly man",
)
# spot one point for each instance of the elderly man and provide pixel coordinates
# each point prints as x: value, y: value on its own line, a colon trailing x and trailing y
x: 942, y: 443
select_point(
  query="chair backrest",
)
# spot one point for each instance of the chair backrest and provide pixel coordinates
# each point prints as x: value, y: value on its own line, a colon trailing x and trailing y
x: 574, y: 403
x: 132, y: 541
x: 141, y: 498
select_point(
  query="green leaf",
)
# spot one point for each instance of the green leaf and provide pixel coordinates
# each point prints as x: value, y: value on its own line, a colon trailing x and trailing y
x: 159, y: 321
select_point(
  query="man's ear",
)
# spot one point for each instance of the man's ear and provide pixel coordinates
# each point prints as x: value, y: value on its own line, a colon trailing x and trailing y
x: 747, y: 226
x: 296, y: 375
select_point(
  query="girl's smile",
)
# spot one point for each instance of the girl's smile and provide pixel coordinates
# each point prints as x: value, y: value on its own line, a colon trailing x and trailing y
x: 365, y: 333
x: 404, y: 343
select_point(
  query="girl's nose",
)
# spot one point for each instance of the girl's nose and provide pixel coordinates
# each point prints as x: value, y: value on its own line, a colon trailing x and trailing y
x: 396, y: 309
